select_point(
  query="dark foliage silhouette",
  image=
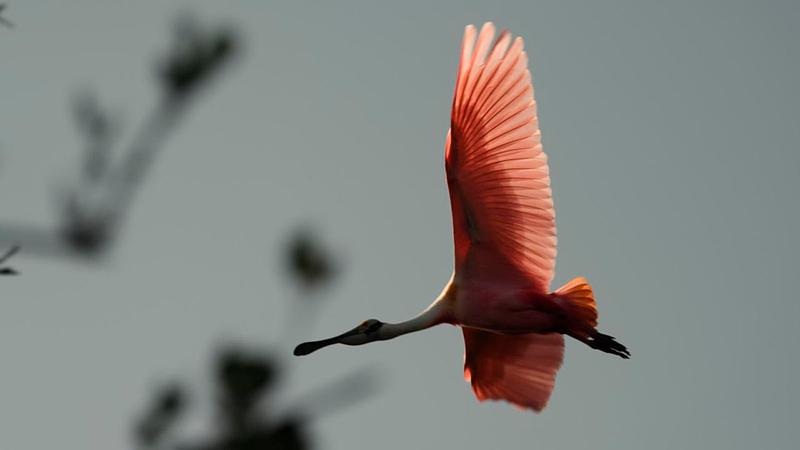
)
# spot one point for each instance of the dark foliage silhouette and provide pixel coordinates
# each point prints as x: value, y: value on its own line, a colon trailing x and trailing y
x: 246, y: 379
x: 168, y: 403
x: 308, y: 262
x: 92, y: 211
x: 3, y: 20
x: 242, y: 378
x: 197, y: 54
x: 311, y: 266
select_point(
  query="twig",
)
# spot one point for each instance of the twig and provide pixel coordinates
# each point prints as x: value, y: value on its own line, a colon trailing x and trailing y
x: 3, y: 20
x: 8, y: 270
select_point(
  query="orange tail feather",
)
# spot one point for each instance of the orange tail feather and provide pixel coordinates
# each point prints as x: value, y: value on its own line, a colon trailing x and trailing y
x: 581, y: 307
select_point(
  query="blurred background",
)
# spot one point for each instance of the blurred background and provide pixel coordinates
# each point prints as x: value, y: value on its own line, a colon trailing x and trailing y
x: 198, y: 186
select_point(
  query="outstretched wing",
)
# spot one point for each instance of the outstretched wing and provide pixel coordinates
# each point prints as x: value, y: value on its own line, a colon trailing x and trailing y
x: 520, y: 368
x: 503, y: 217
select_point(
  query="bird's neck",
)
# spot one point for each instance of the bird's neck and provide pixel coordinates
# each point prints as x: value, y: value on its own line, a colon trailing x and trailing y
x: 440, y: 311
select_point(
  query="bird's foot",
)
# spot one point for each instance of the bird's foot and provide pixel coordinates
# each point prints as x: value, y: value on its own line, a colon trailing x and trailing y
x: 608, y: 344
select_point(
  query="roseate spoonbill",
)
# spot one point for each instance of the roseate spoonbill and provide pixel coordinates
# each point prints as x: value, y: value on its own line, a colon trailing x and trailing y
x: 505, y: 238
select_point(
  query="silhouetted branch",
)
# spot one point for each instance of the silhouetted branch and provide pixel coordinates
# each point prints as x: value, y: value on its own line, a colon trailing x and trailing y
x: 246, y: 378
x: 3, y: 20
x: 242, y: 378
x: 312, y: 266
x: 99, y: 129
x: 5, y: 270
x: 91, y: 212
x: 38, y: 241
x: 165, y: 410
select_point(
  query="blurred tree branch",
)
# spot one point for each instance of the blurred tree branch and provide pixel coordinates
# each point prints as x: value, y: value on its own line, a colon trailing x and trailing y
x: 91, y: 211
x: 246, y: 379
x: 3, y: 20
x: 6, y: 270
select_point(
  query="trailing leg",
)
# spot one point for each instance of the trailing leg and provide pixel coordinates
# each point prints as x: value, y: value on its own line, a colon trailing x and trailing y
x: 605, y: 343
x: 582, y: 318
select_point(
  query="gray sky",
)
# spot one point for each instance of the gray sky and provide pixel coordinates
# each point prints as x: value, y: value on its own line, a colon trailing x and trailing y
x: 672, y: 130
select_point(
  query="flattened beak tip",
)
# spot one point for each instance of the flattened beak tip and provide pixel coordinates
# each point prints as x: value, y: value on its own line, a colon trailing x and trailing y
x: 303, y: 349
x: 309, y: 347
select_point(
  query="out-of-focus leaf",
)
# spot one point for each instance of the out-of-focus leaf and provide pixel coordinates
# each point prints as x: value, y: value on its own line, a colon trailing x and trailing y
x: 196, y: 55
x: 290, y: 434
x: 86, y: 230
x: 242, y: 377
x: 308, y: 261
x: 164, y: 411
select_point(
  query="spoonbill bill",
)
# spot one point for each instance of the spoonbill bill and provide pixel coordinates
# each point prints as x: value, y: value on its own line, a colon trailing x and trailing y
x: 505, y: 238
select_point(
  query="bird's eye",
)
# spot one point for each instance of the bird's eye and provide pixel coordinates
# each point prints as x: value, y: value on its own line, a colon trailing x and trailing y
x: 373, y: 327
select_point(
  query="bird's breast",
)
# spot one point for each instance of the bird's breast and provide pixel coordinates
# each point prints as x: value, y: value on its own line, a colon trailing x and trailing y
x: 506, y: 310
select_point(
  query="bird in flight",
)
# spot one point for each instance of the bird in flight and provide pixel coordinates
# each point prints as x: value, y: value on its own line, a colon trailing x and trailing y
x: 505, y: 238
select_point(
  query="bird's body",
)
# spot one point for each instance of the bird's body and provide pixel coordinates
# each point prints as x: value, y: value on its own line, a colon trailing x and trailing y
x: 505, y: 238
x: 502, y: 309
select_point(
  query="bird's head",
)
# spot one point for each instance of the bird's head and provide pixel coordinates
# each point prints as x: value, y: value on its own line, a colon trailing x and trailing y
x: 367, y: 331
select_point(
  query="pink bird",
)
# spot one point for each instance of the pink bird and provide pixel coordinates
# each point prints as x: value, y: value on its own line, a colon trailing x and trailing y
x: 505, y: 238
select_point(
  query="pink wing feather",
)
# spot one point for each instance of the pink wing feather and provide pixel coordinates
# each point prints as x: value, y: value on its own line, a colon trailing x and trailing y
x: 503, y: 217
x: 520, y: 369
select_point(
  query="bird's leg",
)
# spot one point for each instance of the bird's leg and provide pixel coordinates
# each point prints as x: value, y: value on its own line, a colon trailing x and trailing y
x: 604, y: 343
